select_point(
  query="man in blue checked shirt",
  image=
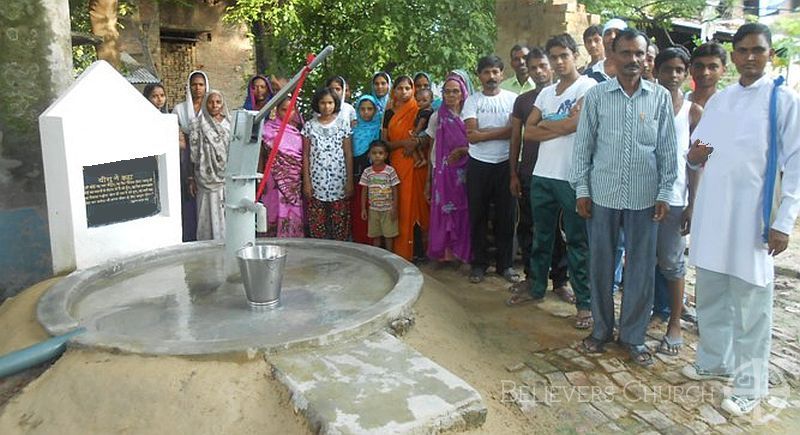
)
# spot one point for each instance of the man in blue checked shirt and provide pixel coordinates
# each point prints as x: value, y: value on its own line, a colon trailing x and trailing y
x: 624, y: 165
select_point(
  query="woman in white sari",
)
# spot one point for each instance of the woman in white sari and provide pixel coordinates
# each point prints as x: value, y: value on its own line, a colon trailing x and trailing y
x: 209, y: 138
x: 187, y: 111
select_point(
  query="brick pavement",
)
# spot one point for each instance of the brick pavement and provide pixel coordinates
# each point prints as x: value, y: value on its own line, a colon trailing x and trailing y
x: 608, y: 393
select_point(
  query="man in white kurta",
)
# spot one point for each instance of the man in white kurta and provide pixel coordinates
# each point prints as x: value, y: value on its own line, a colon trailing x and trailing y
x: 734, y: 266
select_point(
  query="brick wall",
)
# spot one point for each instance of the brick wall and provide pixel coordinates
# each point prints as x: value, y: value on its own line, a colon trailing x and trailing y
x: 223, y: 51
x: 532, y: 22
x: 177, y: 61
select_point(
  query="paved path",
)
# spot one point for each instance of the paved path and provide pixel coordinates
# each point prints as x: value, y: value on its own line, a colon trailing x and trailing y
x: 607, y: 393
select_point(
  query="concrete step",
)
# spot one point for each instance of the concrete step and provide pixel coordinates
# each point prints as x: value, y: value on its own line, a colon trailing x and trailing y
x: 377, y: 385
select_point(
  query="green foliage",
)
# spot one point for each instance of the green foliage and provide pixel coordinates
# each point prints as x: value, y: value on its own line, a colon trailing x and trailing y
x: 648, y: 13
x: 400, y: 37
x: 82, y: 57
x: 787, y: 44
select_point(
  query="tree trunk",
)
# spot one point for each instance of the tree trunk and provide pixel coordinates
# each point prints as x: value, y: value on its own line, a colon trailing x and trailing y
x: 103, y: 16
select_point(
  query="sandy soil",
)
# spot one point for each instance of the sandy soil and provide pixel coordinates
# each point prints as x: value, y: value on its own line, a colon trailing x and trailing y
x: 468, y: 329
x: 464, y: 327
x: 96, y: 392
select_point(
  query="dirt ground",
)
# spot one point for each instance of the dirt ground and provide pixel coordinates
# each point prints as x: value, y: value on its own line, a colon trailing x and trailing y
x: 464, y: 327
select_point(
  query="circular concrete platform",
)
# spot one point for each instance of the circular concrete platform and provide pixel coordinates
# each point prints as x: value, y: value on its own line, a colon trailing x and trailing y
x: 177, y: 301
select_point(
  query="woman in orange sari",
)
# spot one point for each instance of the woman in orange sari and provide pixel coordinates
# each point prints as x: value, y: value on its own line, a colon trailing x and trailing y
x: 398, y: 124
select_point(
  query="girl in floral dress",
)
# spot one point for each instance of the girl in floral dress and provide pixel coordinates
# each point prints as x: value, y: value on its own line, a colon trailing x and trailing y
x: 327, y: 168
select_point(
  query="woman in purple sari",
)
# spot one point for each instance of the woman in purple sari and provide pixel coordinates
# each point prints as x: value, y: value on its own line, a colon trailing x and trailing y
x: 283, y: 196
x: 449, y: 234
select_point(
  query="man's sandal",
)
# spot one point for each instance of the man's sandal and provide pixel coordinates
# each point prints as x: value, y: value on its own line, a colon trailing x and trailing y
x: 639, y: 353
x: 520, y: 287
x: 522, y: 298
x: 593, y: 345
x: 584, y: 321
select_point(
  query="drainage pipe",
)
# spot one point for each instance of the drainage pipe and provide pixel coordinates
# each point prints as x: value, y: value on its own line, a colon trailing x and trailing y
x: 22, y: 359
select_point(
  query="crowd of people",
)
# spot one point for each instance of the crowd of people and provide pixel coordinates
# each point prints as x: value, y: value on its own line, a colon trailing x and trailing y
x: 599, y: 171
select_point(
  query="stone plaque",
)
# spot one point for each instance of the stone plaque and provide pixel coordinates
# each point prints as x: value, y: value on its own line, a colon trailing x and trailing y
x: 121, y: 191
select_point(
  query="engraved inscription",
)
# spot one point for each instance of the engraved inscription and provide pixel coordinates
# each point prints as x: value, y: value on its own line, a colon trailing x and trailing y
x: 121, y: 191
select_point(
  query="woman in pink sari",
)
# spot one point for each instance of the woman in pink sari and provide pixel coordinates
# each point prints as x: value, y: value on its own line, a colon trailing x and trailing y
x: 449, y: 235
x: 283, y: 196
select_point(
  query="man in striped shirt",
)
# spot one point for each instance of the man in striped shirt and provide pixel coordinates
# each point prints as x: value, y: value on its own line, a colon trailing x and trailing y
x: 624, y: 165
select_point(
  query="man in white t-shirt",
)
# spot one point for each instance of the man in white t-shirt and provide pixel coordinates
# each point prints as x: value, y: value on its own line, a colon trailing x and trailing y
x: 487, y: 116
x: 553, y: 122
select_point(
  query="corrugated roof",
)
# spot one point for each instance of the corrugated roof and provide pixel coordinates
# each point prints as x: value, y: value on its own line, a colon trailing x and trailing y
x: 141, y: 76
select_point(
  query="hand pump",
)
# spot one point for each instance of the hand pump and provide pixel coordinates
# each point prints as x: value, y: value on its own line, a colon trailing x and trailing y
x: 241, y: 170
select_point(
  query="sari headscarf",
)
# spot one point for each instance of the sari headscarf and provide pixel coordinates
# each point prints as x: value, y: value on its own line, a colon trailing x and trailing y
x: 402, y: 122
x: 451, y: 128
x: 382, y: 101
x: 341, y: 80
x: 210, y: 140
x: 187, y: 116
x: 250, y: 100
x: 366, y: 131
x: 464, y: 78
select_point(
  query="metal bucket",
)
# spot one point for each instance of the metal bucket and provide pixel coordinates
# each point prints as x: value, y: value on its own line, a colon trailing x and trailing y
x: 262, y: 273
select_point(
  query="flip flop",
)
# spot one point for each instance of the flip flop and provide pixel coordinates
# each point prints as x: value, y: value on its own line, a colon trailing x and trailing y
x: 511, y: 275
x: 520, y: 287
x: 670, y: 346
x: 477, y: 276
x: 639, y: 353
x: 584, y: 321
x: 565, y: 293
x: 522, y: 298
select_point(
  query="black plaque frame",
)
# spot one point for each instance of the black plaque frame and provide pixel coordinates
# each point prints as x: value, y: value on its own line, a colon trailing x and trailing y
x: 121, y: 191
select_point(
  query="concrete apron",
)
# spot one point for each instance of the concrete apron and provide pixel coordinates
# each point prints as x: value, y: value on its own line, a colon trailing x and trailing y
x: 377, y: 385
x: 177, y: 301
x: 327, y: 344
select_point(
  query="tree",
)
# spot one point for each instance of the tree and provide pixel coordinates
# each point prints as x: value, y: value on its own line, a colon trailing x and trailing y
x: 371, y: 35
x: 103, y: 17
x: 100, y: 18
x: 787, y: 42
x: 653, y: 15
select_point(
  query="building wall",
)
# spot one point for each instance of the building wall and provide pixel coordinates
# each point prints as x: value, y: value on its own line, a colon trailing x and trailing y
x: 35, y: 68
x: 532, y: 22
x: 223, y: 51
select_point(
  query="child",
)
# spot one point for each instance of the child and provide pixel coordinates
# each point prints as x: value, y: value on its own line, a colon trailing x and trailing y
x: 367, y: 129
x: 327, y: 168
x: 381, y: 183
x: 155, y: 93
x: 424, y: 99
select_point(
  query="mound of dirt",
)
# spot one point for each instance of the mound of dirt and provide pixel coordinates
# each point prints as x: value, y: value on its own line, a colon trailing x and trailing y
x: 464, y: 327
